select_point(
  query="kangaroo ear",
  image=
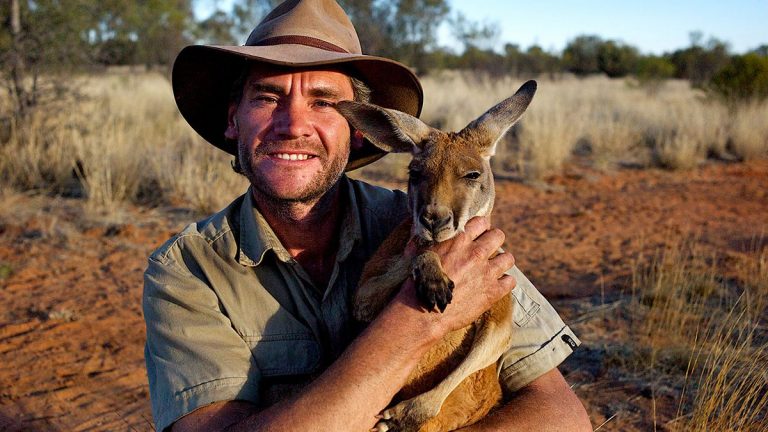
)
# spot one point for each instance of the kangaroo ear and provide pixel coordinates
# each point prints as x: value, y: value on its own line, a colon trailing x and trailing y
x: 492, y: 125
x: 390, y: 130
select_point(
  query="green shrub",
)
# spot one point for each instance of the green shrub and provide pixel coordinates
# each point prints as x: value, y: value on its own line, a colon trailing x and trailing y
x: 580, y: 55
x: 615, y: 59
x: 745, y: 78
x: 653, y: 68
x: 651, y: 72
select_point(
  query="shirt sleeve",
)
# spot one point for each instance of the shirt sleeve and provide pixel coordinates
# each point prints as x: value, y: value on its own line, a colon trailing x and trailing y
x: 540, y: 339
x: 193, y: 354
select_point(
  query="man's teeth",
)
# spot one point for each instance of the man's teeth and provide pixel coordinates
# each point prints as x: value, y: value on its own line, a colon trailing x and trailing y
x: 293, y: 156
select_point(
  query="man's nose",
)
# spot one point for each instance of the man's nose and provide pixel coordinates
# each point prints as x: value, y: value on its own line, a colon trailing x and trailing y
x: 292, y: 121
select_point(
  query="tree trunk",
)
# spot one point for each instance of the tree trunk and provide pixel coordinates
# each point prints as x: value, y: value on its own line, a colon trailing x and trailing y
x: 20, y: 94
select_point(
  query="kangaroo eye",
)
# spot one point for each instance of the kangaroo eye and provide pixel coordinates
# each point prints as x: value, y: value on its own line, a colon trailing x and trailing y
x: 472, y: 175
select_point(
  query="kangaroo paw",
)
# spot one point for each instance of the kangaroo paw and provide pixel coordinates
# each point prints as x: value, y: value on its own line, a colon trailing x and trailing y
x: 433, y: 287
x: 407, y: 416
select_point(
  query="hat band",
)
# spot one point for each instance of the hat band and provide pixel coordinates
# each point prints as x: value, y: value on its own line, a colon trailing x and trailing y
x: 301, y: 40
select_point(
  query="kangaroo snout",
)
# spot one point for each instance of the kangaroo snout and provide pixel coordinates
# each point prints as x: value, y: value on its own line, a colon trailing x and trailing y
x: 436, y: 218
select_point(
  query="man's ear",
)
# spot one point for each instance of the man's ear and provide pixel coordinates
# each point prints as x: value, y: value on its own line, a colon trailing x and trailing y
x: 232, y: 132
x: 357, y: 140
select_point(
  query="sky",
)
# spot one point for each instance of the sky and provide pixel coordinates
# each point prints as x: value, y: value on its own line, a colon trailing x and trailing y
x: 653, y: 26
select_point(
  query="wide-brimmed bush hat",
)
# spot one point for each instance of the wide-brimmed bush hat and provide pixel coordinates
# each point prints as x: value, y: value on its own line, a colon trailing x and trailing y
x: 297, y: 33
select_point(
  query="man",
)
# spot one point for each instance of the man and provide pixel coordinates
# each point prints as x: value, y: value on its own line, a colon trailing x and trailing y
x: 248, y: 323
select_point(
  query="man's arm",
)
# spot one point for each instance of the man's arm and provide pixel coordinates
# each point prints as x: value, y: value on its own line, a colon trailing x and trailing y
x: 348, y: 394
x: 355, y: 388
x: 546, y: 404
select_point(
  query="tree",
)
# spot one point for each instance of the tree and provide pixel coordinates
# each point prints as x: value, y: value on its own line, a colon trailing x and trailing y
x: 699, y: 62
x: 651, y: 72
x: 580, y: 55
x: 13, y: 58
x: 745, y: 78
x: 762, y: 50
x: 537, y: 61
x: 615, y: 59
x: 478, y: 40
x: 40, y: 36
x: 246, y: 14
x: 116, y: 52
x: 218, y: 28
x: 513, y: 59
x: 372, y: 19
x: 474, y: 34
x: 44, y: 37
x: 160, y: 28
x: 413, y: 26
x: 474, y: 58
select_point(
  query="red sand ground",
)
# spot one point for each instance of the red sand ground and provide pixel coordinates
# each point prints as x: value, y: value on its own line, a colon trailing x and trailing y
x: 71, y: 331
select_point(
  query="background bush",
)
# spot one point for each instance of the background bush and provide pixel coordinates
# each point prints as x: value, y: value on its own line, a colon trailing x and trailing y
x: 745, y: 78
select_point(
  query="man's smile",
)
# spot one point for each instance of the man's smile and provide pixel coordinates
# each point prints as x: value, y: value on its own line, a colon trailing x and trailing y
x: 292, y: 156
x: 291, y: 151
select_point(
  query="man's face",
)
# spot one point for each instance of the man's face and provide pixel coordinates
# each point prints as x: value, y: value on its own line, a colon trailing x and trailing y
x: 292, y: 144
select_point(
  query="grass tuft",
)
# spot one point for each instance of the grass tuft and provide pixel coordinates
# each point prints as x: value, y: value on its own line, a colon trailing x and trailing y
x: 689, y: 318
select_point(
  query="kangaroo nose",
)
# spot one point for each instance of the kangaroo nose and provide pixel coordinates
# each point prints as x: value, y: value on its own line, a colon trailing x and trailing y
x: 434, y: 219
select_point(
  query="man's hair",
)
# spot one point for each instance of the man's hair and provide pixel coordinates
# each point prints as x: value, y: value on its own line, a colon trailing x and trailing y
x: 360, y: 90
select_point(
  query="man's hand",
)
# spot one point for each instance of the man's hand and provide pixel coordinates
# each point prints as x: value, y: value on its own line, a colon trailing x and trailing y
x: 478, y: 276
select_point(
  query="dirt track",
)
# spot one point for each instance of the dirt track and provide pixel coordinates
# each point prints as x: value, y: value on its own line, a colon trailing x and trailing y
x: 71, y: 332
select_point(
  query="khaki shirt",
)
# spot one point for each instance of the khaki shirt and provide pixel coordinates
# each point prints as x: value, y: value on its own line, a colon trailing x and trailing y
x: 231, y: 315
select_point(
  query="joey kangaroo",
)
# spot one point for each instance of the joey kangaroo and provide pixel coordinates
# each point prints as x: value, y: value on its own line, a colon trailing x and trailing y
x: 450, y: 181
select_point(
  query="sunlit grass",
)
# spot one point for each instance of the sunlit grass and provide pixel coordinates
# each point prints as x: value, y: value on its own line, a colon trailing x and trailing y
x: 124, y: 140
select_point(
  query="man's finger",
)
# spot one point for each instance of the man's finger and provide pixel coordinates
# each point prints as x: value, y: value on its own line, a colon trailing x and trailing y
x: 502, y: 262
x: 476, y: 226
x: 507, y: 283
x: 488, y: 243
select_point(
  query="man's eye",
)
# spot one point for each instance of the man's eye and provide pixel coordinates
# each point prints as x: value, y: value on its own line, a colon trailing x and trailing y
x: 323, y: 103
x: 266, y: 99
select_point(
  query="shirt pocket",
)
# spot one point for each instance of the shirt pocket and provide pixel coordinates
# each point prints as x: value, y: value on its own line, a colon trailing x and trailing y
x: 285, y: 354
x: 524, y: 308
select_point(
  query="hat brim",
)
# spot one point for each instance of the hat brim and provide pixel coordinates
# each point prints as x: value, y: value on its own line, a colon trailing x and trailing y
x: 203, y: 75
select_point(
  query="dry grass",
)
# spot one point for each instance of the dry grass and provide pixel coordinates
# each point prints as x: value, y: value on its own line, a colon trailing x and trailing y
x: 689, y: 316
x: 610, y: 121
x: 125, y: 141
x: 749, y: 131
x: 728, y: 375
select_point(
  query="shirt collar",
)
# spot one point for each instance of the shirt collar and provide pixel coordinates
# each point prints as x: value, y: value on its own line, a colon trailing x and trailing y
x: 257, y: 237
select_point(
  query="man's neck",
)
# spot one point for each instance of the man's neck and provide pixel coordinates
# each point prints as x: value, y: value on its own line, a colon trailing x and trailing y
x: 309, y: 231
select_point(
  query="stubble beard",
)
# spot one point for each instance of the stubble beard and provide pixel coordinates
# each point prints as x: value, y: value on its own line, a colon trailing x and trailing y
x: 322, y: 183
